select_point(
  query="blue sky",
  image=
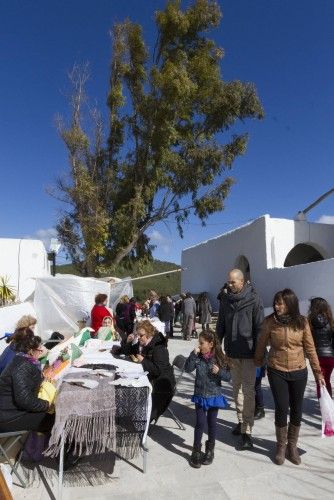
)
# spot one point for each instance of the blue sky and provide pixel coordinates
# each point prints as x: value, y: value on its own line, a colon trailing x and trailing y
x: 285, y: 47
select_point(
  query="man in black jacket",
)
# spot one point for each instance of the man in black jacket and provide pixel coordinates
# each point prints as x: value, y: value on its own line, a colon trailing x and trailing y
x: 239, y: 320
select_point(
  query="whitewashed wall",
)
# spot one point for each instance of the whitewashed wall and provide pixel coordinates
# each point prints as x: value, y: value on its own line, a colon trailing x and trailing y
x: 208, y: 263
x: 23, y: 260
x: 307, y: 280
x: 265, y: 242
x: 283, y: 234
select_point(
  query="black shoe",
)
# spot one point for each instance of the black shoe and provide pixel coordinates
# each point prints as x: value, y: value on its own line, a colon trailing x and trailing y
x: 237, y: 430
x: 246, y: 442
x: 209, y: 453
x: 259, y: 413
x: 196, y: 457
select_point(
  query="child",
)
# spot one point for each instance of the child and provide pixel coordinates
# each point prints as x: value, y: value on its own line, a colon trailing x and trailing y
x: 210, y: 364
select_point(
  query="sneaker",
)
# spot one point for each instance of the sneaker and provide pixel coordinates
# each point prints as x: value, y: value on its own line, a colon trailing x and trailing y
x: 237, y: 430
x: 259, y: 413
x: 246, y: 442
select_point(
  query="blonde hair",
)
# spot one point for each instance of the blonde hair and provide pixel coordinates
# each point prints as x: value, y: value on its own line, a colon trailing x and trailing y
x: 125, y: 299
x: 26, y: 321
x: 147, y: 326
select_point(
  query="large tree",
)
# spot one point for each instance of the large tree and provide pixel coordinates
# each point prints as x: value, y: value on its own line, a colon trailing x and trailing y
x: 169, y: 145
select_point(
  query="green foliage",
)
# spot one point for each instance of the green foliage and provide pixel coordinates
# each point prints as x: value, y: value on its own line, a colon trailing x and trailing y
x: 7, y: 294
x: 169, y: 146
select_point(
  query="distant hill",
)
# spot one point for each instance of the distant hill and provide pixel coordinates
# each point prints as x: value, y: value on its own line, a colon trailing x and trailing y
x: 167, y: 283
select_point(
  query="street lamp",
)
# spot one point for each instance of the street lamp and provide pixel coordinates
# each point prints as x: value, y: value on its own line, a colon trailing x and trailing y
x: 53, y: 250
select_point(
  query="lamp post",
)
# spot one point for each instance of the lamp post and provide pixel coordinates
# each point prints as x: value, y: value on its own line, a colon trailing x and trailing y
x: 53, y: 250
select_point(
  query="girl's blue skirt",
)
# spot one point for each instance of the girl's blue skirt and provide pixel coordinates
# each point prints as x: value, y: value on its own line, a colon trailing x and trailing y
x: 211, y: 402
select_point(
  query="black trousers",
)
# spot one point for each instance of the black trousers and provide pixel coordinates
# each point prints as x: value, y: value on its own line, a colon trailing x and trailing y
x: 38, y: 421
x: 288, y: 391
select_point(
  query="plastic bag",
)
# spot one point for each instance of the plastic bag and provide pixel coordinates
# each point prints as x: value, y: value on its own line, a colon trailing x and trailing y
x: 327, y: 412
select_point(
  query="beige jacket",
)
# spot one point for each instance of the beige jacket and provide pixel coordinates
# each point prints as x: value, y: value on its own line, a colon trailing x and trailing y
x: 287, y: 347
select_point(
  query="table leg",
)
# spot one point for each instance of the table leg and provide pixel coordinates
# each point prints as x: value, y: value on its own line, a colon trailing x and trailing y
x: 61, y: 469
x: 145, y: 452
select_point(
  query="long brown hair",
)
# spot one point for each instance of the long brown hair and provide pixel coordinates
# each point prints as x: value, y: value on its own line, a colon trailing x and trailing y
x: 320, y: 306
x: 290, y: 299
x: 210, y: 336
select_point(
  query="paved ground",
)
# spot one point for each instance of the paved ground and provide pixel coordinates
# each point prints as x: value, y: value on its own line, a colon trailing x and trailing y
x: 234, y: 475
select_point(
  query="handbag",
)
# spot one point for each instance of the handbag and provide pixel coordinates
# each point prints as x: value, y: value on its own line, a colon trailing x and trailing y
x: 327, y: 413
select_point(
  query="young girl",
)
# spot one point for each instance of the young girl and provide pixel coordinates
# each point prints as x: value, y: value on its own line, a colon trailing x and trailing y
x: 210, y: 364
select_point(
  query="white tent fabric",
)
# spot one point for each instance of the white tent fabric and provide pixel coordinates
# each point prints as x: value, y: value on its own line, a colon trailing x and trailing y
x: 62, y: 300
x: 118, y: 289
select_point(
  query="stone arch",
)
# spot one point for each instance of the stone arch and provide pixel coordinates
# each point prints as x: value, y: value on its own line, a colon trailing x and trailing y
x: 303, y: 253
x: 242, y: 263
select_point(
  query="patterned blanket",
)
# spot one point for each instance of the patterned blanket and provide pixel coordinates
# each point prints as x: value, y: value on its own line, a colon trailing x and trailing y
x: 108, y: 418
x: 85, y: 418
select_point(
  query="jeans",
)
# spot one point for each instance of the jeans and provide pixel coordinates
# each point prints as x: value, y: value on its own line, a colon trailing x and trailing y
x: 243, y: 381
x: 327, y: 365
x: 288, y: 391
x: 210, y: 416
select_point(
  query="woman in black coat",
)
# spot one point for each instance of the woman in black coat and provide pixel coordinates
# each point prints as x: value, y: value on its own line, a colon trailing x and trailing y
x: 322, y: 328
x: 151, y: 351
x: 20, y: 406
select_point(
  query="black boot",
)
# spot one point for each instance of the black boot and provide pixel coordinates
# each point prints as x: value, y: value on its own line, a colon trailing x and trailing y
x: 209, y: 453
x: 196, y: 457
x: 259, y: 413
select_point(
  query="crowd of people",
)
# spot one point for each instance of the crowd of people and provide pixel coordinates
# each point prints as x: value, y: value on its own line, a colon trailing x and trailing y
x: 244, y: 347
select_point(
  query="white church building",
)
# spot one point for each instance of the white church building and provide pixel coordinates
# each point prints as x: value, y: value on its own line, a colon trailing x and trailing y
x: 273, y: 253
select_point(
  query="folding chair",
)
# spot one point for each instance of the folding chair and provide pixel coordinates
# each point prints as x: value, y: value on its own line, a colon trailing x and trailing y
x: 178, y: 362
x: 10, y: 440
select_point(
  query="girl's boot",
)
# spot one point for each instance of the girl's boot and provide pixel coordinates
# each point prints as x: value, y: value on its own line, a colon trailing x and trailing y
x: 281, y: 439
x: 293, y: 433
x: 209, y: 453
x: 196, y: 457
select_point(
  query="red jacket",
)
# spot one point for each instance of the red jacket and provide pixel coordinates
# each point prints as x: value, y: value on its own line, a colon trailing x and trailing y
x: 97, y: 315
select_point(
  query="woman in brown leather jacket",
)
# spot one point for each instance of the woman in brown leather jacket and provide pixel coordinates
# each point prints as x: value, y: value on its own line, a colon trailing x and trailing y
x: 289, y: 336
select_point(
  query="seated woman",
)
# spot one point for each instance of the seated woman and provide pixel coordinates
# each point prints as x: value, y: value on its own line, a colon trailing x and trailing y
x: 20, y: 407
x: 151, y: 351
x: 99, y: 312
x: 10, y: 351
x: 107, y: 330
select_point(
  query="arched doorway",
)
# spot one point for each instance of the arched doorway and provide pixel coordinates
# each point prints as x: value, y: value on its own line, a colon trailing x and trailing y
x: 302, y: 253
x: 242, y: 263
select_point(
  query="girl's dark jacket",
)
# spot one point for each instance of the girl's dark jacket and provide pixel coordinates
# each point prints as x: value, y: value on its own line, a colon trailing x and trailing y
x: 19, y: 385
x: 160, y: 371
x: 207, y: 384
x: 323, y: 336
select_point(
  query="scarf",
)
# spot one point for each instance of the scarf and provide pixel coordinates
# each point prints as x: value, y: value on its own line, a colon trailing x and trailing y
x: 208, y: 355
x: 31, y: 359
x: 284, y: 319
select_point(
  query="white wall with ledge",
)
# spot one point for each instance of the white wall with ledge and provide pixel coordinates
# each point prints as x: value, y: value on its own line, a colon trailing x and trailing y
x: 265, y: 242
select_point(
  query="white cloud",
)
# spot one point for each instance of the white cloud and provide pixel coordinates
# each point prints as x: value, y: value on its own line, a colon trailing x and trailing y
x: 44, y: 235
x: 156, y: 236
x: 163, y: 243
x: 326, y: 219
